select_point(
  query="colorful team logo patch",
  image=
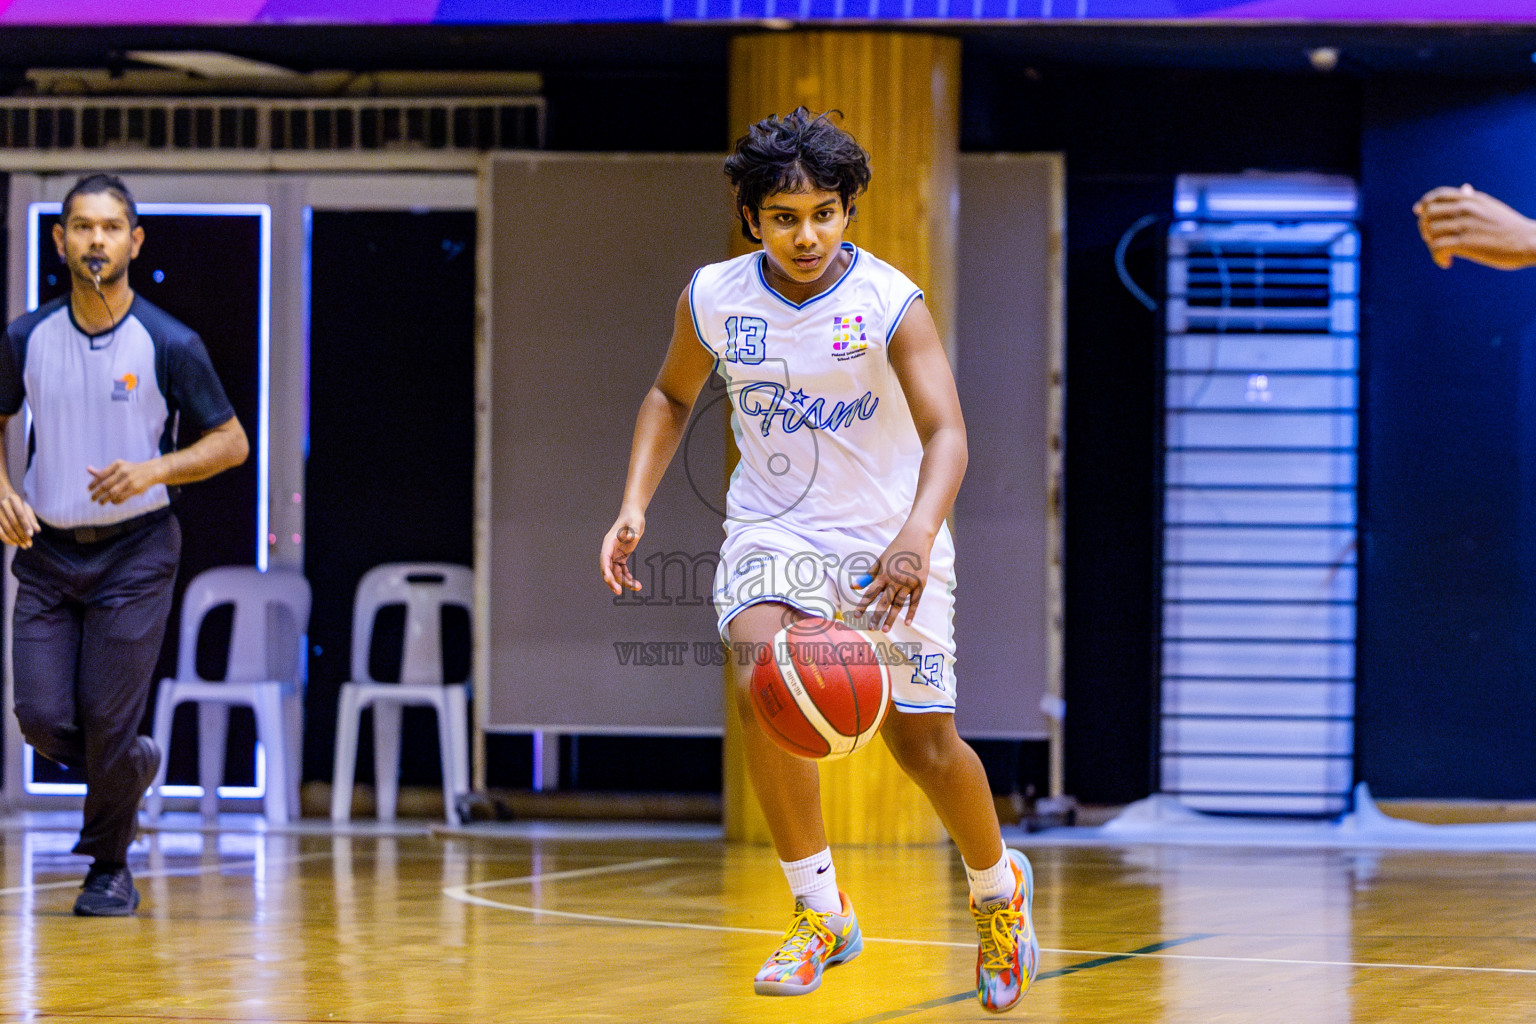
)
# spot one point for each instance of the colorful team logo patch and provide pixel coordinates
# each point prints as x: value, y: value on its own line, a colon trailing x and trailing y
x: 848, y: 338
x: 124, y: 387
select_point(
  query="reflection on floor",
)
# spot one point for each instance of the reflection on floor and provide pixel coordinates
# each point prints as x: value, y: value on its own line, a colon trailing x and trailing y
x: 647, y: 922
x: 1164, y: 820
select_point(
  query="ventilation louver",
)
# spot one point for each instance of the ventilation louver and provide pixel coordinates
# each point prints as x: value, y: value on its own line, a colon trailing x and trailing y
x: 268, y: 126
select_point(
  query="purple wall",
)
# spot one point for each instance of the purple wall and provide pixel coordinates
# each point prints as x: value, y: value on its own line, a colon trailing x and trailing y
x: 224, y: 12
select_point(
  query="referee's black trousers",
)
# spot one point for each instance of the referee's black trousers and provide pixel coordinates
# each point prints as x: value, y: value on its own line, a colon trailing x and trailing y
x: 90, y: 621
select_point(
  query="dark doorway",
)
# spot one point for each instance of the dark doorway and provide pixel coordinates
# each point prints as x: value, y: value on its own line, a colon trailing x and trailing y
x: 390, y: 470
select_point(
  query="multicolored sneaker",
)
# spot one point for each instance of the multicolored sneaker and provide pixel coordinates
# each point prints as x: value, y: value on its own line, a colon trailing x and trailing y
x: 1008, y: 954
x: 815, y: 940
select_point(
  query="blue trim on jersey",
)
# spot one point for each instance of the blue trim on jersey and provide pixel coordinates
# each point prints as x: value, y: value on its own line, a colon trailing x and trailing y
x: 694, y: 313
x: 921, y: 709
x: 897, y: 322
x: 761, y: 257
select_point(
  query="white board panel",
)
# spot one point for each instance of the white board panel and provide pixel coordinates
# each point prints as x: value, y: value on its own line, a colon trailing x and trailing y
x: 585, y: 257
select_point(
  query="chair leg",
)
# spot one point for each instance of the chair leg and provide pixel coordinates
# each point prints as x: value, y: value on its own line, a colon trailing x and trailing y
x: 270, y: 731
x: 293, y: 742
x: 459, y: 704
x: 212, y: 732
x: 453, y: 727
x: 386, y: 756
x: 165, y: 709
x: 446, y: 746
x: 344, y: 771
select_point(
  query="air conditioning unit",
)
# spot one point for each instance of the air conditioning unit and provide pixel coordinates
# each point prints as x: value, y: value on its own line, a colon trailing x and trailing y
x: 1259, y: 513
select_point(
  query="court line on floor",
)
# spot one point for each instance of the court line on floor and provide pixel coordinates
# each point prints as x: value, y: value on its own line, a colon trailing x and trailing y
x: 1086, y: 965
x: 1327, y: 963
x: 202, y: 869
x: 462, y: 894
x: 1103, y: 959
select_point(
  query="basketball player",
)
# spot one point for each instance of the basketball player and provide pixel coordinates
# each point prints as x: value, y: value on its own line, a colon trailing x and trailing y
x: 852, y: 450
x: 109, y: 380
x: 1475, y: 226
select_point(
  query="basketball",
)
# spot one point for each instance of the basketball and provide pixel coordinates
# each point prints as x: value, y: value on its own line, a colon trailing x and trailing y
x: 821, y: 689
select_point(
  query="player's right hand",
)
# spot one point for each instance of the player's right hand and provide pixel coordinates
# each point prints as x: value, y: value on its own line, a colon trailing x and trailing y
x: 18, y: 523
x: 1463, y: 222
x: 622, y: 539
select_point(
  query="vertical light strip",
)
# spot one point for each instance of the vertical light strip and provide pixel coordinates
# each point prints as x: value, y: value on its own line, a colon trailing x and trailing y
x: 34, y: 215
x: 306, y: 301
x: 538, y: 760
x: 264, y: 400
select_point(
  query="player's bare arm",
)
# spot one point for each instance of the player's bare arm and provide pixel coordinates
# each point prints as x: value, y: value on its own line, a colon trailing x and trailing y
x: 659, y: 429
x: 921, y: 365
x: 1475, y: 226
x: 18, y: 523
x: 223, y: 447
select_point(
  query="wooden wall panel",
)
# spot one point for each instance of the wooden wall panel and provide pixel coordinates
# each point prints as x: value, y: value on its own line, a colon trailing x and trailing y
x: 899, y: 95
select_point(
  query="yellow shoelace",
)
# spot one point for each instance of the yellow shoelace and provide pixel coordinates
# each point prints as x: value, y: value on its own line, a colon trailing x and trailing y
x: 995, y: 931
x: 807, y: 926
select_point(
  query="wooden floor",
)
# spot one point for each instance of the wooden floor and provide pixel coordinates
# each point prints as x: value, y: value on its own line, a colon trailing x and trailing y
x: 423, y: 929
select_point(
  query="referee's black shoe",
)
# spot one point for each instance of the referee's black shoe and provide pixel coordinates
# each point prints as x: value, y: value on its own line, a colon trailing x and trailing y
x: 108, y: 892
x: 108, y: 888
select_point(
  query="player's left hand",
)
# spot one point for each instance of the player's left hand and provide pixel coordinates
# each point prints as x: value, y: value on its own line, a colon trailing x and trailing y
x: 120, y: 481
x: 895, y: 583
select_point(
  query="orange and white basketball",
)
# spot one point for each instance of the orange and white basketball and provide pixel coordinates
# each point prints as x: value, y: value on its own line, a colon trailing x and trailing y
x: 821, y: 689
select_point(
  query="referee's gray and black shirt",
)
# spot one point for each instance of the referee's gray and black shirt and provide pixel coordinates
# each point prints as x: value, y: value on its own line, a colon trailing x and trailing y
x: 94, y: 399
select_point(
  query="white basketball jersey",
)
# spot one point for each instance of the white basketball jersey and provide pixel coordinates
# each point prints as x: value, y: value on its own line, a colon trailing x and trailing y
x: 825, y: 434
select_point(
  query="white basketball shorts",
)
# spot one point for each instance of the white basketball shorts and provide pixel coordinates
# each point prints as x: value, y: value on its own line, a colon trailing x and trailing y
x: 814, y: 571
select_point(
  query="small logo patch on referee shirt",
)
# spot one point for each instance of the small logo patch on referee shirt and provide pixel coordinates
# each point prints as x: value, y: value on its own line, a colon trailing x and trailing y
x: 124, y: 387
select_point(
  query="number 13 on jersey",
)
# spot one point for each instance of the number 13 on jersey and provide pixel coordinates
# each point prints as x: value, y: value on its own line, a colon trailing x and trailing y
x: 745, y: 339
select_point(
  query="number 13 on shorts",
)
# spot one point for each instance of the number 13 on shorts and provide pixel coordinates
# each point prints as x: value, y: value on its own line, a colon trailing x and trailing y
x: 929, y: 671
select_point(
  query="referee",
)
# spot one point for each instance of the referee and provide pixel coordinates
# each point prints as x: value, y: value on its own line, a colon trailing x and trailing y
x: 110, y: 380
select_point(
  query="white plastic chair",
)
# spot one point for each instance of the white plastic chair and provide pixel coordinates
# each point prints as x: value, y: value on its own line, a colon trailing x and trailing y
x: 265, y: 671
x: 424, y: 588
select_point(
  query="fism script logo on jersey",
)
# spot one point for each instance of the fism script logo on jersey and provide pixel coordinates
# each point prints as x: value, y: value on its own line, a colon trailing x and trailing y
x: 848, y: 338
x: 124, y: 387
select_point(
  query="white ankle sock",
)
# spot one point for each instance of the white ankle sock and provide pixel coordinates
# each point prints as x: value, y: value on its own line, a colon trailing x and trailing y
x: 813, y: 881
x: 992, y: 883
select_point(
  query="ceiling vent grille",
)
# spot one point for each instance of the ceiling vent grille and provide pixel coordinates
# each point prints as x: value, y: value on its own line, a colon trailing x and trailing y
x: 476, y: 124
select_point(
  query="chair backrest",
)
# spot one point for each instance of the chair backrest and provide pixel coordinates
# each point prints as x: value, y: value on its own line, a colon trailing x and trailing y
x: 271, y: 615
x: 423, y: 588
